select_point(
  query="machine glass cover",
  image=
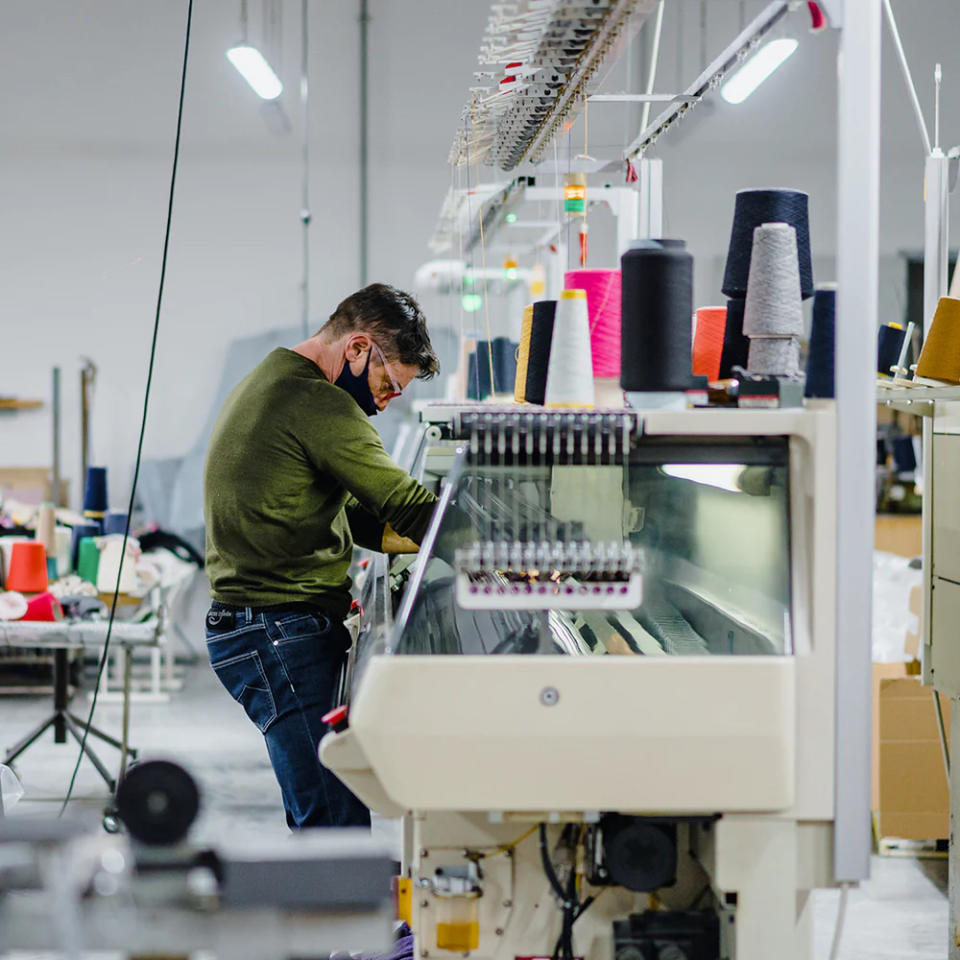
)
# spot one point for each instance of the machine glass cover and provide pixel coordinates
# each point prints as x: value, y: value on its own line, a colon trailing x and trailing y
x: 707, y: 526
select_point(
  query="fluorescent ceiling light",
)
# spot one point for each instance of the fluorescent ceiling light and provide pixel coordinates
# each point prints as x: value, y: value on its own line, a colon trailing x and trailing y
x: 256, y: 71
x: 756, y: 69
x: 724, y: 476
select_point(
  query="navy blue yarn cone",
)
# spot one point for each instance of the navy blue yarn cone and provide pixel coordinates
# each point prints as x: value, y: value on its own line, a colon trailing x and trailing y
x: 115, y: 521
x: 904, y: 456
x: 736, y: 346
x: 504, y: 364
x: 821, y: 361
x: 889, y: 341
x: 754, y: 207
x: 95, y: 491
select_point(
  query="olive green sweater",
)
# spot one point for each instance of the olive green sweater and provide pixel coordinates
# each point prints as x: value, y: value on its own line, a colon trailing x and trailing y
x: 295, y: 473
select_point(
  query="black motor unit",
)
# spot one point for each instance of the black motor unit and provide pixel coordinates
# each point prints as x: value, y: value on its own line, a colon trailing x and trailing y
x: 639, y: 853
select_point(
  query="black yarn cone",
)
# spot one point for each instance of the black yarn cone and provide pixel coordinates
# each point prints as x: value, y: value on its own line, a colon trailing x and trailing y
x: 541, y: 337
x: 754, y: 207
x: 735, y: 345
x: 656, y: 306
x: 821, y: 362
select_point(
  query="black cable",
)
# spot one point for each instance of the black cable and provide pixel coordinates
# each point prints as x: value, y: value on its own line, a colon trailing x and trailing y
x: 143, y: 420
x: 548, y: 866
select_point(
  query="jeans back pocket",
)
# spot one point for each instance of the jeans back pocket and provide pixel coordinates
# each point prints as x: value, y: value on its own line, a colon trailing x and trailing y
x: 246, y: 681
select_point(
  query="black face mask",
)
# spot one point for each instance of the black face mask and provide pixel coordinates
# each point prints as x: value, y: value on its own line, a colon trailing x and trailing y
x: 358, y: 387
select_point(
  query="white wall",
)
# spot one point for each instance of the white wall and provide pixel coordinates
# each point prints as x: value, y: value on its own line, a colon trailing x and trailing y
x: 85, y: 162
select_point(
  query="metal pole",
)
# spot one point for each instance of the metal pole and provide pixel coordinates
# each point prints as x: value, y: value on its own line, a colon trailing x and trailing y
x: 858, y: 190
x: 57, y: 469
x: 305, y: 126
x: 364, y: 103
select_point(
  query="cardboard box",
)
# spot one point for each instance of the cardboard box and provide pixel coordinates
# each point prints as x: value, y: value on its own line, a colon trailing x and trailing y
x: 910, y: 792
x: 902, y: 535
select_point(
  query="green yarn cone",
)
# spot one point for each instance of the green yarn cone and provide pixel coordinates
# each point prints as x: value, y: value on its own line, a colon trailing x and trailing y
x: 88, y: 560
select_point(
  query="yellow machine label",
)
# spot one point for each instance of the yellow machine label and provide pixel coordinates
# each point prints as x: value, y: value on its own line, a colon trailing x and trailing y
x: 458, y: 936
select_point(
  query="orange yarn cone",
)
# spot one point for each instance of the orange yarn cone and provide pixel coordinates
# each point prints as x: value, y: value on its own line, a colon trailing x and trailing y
x: 708, y: 341
x: 28, y: 567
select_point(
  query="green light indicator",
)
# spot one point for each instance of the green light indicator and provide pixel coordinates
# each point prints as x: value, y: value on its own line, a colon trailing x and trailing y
x: 471, y: 302
x: 511, y: 218
x: 468, y: 279
x: 511, y: 273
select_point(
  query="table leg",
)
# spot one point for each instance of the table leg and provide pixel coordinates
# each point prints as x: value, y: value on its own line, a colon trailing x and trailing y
x: 61, y: 681
x: 125, y: 735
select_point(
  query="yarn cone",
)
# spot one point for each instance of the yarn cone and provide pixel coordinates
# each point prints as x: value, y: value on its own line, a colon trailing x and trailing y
x: 570, y: 370
x: 708, y: 341
x: 28, y: 567
x: 523, y: 355
x: 940, y: 356
x: 773, y: 307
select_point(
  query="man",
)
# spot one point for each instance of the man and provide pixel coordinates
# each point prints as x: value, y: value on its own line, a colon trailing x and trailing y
x: 295, y: 475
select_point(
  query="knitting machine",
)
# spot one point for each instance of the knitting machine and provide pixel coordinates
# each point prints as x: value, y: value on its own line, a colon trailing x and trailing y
x: 602, y: 696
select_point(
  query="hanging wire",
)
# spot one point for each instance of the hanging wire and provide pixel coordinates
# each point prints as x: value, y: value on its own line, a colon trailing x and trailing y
x: 143, y: 420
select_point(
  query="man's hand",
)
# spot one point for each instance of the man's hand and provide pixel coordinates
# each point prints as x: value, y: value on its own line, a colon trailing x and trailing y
x: 393, y: 543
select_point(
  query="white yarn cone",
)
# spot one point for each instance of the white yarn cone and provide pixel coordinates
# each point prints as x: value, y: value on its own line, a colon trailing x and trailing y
x: 570, y: 369
x: 63, y: 540
x: 110, y: 552
x: 773, y: 307
x: 46, y: 527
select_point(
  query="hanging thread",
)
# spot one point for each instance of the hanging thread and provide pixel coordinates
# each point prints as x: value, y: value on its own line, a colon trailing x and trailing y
x: 603, y: 289
x: 890, y: 339
x: 940, y: 356
x: 711, y: 323
x: 541, y: 341
x: 570, y: 369
x: 753, y: 208
x: 821, y: 362
x: 523, y: 355
x: 656, y: 307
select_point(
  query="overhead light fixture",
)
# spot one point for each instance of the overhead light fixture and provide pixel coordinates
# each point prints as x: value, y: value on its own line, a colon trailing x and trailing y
x: 757, y: 68
x: 254, y: 68
x: 723, y: 476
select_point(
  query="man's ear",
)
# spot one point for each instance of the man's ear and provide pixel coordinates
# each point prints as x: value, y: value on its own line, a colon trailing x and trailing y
x: 356, y: 346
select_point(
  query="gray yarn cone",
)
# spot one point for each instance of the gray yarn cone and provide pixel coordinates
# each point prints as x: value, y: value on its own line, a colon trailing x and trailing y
x: 779, y: 356
x: 773, y: 307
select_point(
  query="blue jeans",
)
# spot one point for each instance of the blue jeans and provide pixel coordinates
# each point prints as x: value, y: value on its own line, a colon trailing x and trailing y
x: 282, y: 667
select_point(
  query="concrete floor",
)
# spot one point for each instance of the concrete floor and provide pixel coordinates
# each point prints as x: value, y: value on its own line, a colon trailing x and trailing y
x: 899, y: 914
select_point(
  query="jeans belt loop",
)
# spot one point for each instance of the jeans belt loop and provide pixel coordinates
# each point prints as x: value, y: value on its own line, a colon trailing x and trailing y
x: 248, y: 612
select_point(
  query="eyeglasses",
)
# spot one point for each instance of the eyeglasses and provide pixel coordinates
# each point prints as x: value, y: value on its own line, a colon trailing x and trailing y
x: 397, y: 389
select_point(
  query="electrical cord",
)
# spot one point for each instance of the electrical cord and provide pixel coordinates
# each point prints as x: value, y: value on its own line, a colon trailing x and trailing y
x: 841, y: 916
x: 143, y: 421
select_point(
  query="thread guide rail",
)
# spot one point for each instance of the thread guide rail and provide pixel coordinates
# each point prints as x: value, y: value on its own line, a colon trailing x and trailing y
x: 548, y: 53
